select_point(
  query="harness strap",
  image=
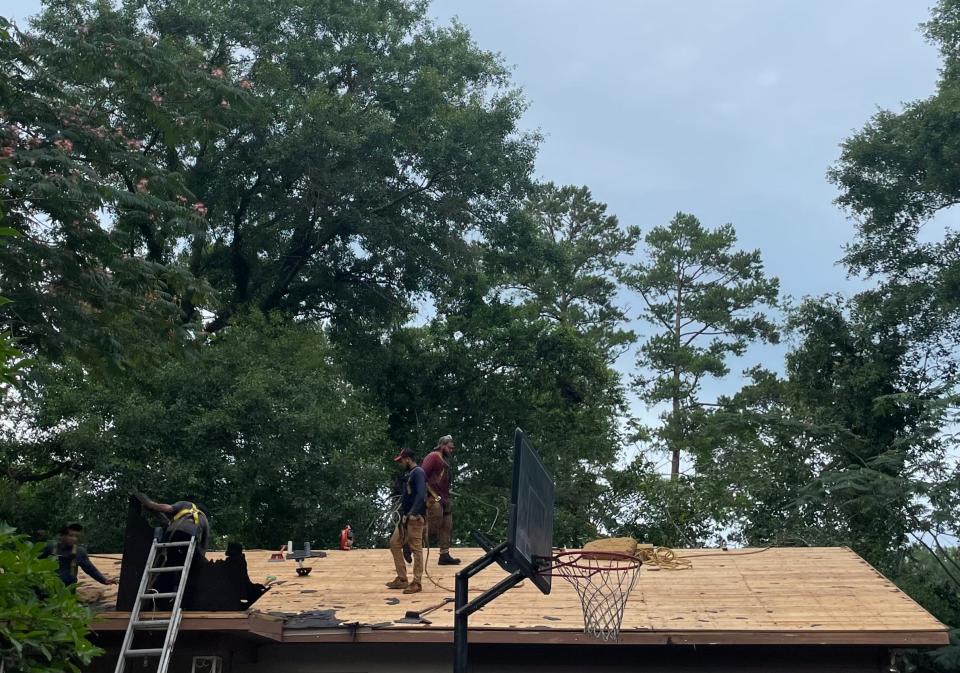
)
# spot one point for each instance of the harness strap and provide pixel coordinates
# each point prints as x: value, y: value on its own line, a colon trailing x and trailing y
x: 192, y: 512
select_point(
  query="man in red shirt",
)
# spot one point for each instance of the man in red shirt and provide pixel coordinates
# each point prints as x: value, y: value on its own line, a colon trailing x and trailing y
x: 439, y: 511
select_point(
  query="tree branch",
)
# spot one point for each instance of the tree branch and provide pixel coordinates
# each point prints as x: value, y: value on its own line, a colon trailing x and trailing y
x: 407, y: 194
x: 25, y: 476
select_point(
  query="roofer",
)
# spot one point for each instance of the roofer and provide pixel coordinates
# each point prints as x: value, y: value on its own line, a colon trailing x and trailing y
x: 72, y: 556
x: 439, y: 510
x: 187, y: 519
x: 409, y: 528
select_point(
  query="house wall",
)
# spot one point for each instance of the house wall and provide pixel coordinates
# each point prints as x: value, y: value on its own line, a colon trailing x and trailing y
x: 420, y: 658
x: 245, y: 656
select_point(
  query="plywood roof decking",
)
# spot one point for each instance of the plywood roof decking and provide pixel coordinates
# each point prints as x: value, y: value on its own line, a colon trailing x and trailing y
x: 782, y: 595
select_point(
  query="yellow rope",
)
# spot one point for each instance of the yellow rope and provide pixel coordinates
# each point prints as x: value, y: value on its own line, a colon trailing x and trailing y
x: 664, y: 558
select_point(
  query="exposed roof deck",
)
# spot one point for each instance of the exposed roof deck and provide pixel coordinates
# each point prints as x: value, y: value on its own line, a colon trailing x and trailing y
x: 743, y: 597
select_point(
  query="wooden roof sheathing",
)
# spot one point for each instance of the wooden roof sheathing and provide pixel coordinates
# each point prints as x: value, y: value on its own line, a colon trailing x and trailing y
x: 743, y: 596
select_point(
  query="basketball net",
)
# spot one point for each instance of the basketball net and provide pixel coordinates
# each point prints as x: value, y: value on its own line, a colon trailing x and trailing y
x: 603, y: 581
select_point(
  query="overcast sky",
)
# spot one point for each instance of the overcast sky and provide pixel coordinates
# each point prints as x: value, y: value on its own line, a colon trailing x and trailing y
x: 731, y: 110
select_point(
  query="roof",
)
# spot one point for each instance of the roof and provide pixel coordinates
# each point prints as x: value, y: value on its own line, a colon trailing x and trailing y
x: 744, y: 597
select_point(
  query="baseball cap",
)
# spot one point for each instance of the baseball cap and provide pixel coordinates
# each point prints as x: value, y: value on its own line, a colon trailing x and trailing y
x: 405, y: 453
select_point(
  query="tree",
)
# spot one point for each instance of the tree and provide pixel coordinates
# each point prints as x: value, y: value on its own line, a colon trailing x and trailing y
x: 707, y: 299
x: 73, y: 186
x: 43, y: 629
x: 564, y: 255
x: 525, y: 337
x: 895, y: 176
x: 175, y: 167
x: 260, y: 425
x: 340, y: 154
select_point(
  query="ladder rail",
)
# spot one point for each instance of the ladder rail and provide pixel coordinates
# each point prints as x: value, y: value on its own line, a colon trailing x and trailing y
x: 135, y: 613
x: 177, y: 613
x: 172, y: 625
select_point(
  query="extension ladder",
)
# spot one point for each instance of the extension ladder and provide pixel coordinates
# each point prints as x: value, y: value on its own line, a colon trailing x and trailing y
x: 171, y: 625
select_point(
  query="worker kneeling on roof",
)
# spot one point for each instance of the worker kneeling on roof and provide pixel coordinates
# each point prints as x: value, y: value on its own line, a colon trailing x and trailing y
x: 187, y: 519
x: 409, y: 528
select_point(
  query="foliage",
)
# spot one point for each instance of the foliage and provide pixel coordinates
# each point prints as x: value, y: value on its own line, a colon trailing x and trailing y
x: 340, y: 150
x: 706, y: 298
x: 74, y: 186
x: 43, y: 629
x: 837, y: 452
x: 526, y: 338
x: 563, y: 255
x: 260, y: 425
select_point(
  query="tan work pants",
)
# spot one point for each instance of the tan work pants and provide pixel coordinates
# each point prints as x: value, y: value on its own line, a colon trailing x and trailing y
x: 410, y: 533
x: 439, y: 524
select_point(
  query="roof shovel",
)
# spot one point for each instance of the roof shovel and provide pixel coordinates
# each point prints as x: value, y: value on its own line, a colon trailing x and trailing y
x: 416, y: 617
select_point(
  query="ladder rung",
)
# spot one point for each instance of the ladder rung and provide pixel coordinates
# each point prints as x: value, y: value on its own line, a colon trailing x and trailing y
x: 151, y: 624
x: 151, y: 652
x: 146, y: 597
x: 167, y: 545
x: 167, y: 569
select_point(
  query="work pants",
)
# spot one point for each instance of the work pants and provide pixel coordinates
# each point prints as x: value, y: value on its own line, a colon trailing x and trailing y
x: 439, y: 523
x: 410, y: 533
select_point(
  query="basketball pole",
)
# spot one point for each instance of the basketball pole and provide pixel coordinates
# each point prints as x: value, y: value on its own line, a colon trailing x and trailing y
x: 464, y: 608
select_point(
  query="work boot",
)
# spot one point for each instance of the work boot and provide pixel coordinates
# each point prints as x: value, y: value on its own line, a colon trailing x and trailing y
x: 398, y: 584
x: 407, y: 553
x: 447, y: 560
x: 413, y: 588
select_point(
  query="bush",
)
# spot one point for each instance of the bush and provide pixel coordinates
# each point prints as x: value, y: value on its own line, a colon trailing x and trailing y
x: 42, y: 626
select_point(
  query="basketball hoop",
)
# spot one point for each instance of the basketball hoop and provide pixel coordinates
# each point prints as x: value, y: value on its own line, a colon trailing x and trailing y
x: 603, y: 581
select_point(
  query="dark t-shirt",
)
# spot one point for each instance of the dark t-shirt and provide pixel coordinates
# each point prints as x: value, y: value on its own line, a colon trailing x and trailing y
x: 413, y: 500
x: 187, y: 526
x: 69, y: 559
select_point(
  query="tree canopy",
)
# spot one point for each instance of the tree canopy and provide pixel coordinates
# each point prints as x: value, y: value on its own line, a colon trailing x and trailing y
x: 249, y: 249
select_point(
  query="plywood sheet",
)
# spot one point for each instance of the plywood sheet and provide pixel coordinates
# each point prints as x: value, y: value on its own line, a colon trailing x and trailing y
x: 795, y: 592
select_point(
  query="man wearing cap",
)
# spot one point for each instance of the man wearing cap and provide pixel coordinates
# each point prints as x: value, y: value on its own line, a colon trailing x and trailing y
x: 439, y: 511
x: 409, y: 529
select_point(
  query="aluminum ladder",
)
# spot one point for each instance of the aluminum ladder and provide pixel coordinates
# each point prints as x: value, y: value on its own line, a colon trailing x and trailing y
x: 171, y: 625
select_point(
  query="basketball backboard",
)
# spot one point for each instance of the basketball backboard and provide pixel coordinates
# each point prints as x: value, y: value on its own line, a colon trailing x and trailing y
x: 530, y: 535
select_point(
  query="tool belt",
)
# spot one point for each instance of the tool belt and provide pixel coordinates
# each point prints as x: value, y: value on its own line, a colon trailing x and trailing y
x: 436, y: 506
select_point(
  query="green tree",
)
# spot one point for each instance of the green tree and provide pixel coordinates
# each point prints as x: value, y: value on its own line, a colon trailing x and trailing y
x: 73, y: 185
x: 261, y: 425
x: 707, y: 300
x: 325, y: 162
x: 525, y: 337
x: 43, y: 629
x: 341, y: 156
x: 895, y: 176
x: 563, y: 255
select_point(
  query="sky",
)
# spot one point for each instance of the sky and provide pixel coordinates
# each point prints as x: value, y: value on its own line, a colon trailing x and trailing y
x: 732, y: 110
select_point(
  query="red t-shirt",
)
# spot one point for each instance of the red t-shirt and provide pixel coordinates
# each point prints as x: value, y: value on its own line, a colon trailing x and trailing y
x: 438, y: 474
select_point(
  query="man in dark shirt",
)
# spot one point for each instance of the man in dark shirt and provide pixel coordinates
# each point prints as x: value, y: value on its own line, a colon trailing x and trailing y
x: 187, y: 519
x: 409, y: 529
x: 72, y: 556
x: 439, y: 509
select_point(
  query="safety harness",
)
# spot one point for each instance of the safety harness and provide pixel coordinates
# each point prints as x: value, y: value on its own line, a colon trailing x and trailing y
x: 193, y: 512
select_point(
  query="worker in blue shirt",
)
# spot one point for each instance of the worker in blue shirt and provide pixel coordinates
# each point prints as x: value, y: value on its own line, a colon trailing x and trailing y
x: 71, y: 556
x: 409, y: 528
